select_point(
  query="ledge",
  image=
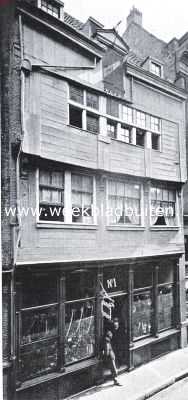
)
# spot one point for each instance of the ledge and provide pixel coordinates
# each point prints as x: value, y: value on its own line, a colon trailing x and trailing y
x: 125, y: 228
x: 151, y: 339
x: 54, y: 225
x: 57, y: 375
x: 164, y: 228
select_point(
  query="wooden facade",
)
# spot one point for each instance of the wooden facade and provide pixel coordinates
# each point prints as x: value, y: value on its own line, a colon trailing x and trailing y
x: 91, y: 155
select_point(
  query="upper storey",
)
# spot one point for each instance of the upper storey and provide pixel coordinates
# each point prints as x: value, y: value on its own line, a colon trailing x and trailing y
x: 88, y: 102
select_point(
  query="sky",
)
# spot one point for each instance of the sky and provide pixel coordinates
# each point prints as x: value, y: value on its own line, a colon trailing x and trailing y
x: 164, y: 18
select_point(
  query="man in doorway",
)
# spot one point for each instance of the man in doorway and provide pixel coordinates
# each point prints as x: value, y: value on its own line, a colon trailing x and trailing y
x: 118, y: 341
x: 109, y: 356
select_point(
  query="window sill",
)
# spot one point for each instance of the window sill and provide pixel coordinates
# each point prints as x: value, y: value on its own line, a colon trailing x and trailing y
x: 125, y: 228
x: 151, y: 339
x: 83, y: 130
x: 56, y: 375
x: 164, y: 228
x: 56, y: 225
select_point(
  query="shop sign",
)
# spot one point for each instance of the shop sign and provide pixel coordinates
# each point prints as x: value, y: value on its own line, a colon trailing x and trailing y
x: 107, y: 304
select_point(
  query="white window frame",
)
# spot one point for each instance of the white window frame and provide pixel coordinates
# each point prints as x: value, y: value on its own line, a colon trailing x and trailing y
x: 177, y: 210
x: 157, y: 64
x: 67, y: 200
x: 142, y: 217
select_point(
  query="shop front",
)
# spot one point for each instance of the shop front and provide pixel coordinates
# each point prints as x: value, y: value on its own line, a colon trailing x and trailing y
x: 62, y: 315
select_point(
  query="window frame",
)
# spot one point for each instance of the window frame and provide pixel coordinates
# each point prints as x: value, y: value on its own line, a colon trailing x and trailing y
x: 125, y: 226
x: 46, y: 9
x: 154, y: 65
x: 177, y: 209
x: 67, y: 201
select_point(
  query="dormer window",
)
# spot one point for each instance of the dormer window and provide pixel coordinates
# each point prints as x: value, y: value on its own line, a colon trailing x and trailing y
x: 52, y: 7
x: 156, y: 68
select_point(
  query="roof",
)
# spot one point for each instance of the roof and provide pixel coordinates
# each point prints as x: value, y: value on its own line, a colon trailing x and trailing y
x: 132, y: 58
x: 74, y: 22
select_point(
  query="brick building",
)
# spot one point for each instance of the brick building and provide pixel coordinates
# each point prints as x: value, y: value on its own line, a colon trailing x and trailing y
x: 93, y: 140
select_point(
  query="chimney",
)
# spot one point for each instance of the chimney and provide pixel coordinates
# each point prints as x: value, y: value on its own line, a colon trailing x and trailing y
x: 134, y: 16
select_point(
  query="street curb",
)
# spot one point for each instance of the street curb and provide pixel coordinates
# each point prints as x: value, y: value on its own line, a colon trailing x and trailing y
x: 165, y: 385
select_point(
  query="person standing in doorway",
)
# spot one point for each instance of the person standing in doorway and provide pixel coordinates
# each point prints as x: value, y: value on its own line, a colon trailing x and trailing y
x: 109, y: 356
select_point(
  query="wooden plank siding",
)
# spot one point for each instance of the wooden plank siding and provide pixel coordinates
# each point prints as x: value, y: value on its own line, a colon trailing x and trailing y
x: 49, y: 242
x: 49, y: 135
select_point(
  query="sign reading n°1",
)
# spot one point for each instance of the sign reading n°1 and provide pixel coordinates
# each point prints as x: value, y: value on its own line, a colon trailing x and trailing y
x: 115, y: 279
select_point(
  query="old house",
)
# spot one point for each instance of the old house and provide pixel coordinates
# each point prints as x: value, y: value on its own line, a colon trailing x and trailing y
x: 97, y: 156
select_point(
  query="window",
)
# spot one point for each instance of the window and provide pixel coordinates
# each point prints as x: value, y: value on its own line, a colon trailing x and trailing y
x: 140, y: 137
x: 51, y: 195
x: 82, y: 198
x: 155, y: 141
x: 127, y: 114
x: 124, y: 203
x: 163, y: 206
x: 165, y: 297
x: 112, y: 129
x: 92, y: 100
x: 112, y: 107
x: 156, y: 68
x: 50, y: 7
x: 75, y: 116
x: 142, y: 302
x: 125, y: 134
x: 92, y: 123
x: 37, y: 323
x: 79, y: 316
x: 76, y: 94
x: 140, y: 119
x: 155, y: 124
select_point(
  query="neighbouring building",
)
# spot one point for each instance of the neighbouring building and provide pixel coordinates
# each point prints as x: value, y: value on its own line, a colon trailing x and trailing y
x: 94, y: 164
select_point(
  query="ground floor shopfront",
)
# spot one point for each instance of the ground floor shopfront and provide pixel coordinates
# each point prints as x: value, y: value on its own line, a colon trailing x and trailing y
x: 62, y: 313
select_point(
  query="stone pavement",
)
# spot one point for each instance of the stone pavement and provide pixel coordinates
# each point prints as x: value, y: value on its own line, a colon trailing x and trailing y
x: 144, y: 381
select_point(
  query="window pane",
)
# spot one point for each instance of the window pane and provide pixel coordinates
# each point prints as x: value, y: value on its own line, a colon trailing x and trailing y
x: 38, y: 324
x: 79, y: 331
x: 112, y: 107
x: 39, y: 290
x: 142, y: 314
x: 76, y: 94
x: 75, y: 117
x: 165, y: 307
x: 127, y: 114
x: 92, y: 100
x: 80, y: 284
x: 112, y: 129
x: 155, y: 142
x: 125, y: 134
x: 140, y: 137
x: 82, y: 199
x: 92, y: 123
x: 38, y: 359
x: 142, y: 276
x: 141, y: 119
x: 166, y: 274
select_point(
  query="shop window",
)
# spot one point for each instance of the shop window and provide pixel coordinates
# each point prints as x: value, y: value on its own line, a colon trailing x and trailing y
x: 37, y: 326
x: 140, y: 137
x: 165, y: 297
x: 51, y: 193
x: 155, y: 141
x: 92, y: 123
x: 76, y: 94
x: 186, y: 288
x: 92, y: 100
x: 112, y: 129
x: 82, y: 198
x: 75, y: 116
x: 79, y: 317
x: 112, y: 107
x: 125, y: 134
x: 140, y: 119
x: 163, y: 206
x: 143, y: 277
x: 124, y: 203
x: 186, y: 247
x: 127, y: 114
x: 142, y: 314
x: 80, y: 284
x: 51, y: 7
